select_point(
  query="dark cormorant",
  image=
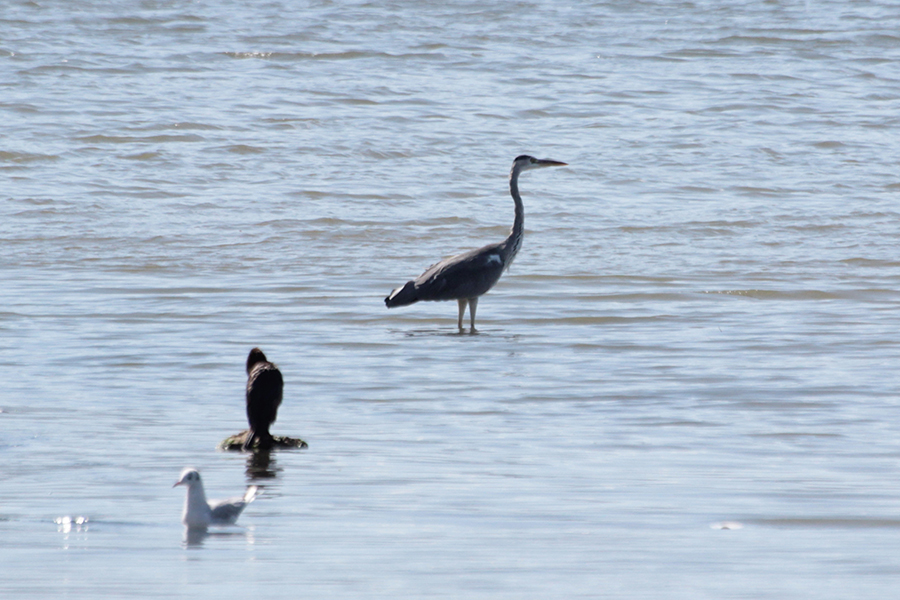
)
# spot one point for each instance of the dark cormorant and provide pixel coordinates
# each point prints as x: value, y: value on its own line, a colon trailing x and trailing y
x: 264, y: 390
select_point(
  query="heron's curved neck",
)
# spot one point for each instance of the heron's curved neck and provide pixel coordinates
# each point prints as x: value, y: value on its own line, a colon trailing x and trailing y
x: 514, y: 240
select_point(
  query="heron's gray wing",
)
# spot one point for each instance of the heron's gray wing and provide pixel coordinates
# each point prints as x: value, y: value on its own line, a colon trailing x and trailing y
x: 465, y: 275
x: 227, y: 511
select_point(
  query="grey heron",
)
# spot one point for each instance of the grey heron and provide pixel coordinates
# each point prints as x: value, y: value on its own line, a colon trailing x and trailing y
x: 264, y: 390
x: 467, y: 276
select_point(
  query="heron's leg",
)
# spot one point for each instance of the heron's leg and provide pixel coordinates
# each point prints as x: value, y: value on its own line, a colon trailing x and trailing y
x: 462, y: 309
x: 473, y: 304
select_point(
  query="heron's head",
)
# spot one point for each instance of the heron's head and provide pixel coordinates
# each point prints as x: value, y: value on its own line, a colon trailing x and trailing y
x: 525, y: 162
x: 188, y: 477
x: 256, y: 356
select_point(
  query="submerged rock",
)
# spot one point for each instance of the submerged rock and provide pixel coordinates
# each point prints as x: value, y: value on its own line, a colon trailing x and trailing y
x: 236, y: 442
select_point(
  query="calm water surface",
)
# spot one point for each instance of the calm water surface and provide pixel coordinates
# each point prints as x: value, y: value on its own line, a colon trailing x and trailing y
x: 685, y: 387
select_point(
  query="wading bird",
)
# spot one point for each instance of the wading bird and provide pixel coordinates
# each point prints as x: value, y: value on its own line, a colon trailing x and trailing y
x: 264, y: 390
x: 467, y: 276
x: 199, y: 513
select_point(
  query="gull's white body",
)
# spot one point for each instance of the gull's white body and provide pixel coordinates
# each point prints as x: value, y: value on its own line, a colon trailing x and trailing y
x: 199, y: 513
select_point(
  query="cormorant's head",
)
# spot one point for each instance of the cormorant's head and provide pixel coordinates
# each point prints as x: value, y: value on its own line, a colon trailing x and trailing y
x: 256, y: 356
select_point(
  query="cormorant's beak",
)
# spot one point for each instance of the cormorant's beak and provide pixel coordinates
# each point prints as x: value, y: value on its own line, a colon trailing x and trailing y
x: 546, y: 162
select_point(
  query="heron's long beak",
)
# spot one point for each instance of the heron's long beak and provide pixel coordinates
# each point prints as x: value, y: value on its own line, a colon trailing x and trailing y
x: 546, y: 162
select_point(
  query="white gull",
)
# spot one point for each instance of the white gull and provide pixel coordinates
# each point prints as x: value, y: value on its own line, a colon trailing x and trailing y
x: 199, y: 513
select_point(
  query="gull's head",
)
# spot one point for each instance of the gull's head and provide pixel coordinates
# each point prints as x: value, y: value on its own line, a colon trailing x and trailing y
x: 525, y: 162
x: 189, y: 477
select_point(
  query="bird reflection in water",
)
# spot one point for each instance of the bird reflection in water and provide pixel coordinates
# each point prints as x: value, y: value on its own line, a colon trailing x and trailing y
x: 261, y: 464
x: 195, y: 538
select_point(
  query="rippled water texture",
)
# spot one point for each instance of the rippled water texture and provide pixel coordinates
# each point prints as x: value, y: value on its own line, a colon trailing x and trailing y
x: 685, y: 387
